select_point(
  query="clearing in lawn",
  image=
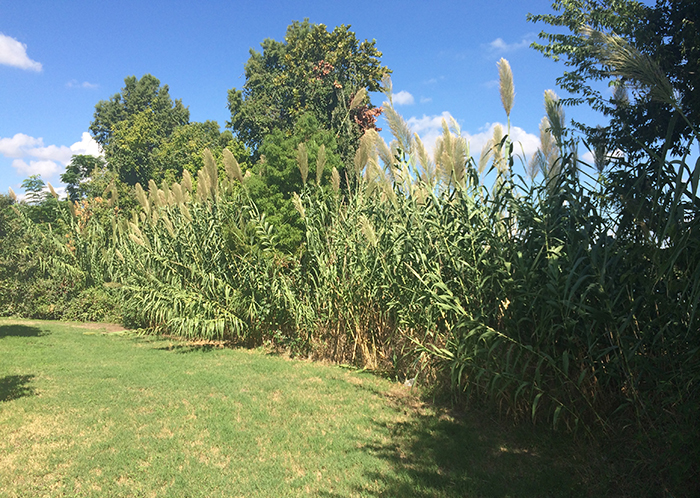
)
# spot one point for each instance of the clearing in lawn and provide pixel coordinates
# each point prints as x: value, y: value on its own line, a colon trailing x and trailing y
x: 98, y: 411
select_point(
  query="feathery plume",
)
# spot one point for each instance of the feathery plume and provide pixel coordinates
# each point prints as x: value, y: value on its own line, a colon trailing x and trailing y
x: 168, y: 225
x: 498, y: 159
x: 335, y: 180
x: 628, y: 62
x: 506, y: 85
x: 178, y: 194
x: 233, y: 169
x: 399, y: 128
x: 363, y: 151
x: 303, y: 162
x: 212, y: 172
x: 535, y: 165
x: 555, y: 114
x: 202, y: 184
x: 387, y: 86
x: 13, y: 196
x: 426, y: 163
x: 454, y: 127
x: 383, y: 151
x: 168, y: 197
x: 52, y: 190
x: 153, y: 194
x: 298, y: 205
x: 141, y: 198
x: 186, y: 212
x: 186, y: 181
x: 460, y: 152
x: 486, y: 153
x: 320, y: 163
x: 368, y: 230
x: 358, y: 99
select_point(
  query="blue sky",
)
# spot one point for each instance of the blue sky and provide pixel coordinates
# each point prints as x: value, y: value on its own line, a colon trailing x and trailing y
x: 58, y: 59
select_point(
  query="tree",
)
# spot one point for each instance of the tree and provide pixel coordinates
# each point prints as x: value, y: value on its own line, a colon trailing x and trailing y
x: 34, y: 190
x: 134, y: 123
x: 40, y: 203
x: 78, y: 173
x: 276, y: 177
x: 138, y: 96
x: 667, y: 33
x: 312, y: 71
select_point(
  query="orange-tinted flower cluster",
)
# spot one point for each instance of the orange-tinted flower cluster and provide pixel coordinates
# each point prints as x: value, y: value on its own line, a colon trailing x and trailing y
x: 366, y: 118
x: 322, y: 68
x: 84, y: 210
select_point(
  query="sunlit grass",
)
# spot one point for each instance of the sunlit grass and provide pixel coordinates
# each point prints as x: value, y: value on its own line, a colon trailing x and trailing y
x: 89, y: 412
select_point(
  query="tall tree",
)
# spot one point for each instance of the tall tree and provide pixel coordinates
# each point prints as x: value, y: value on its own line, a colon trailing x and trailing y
x: 133, y: 123
x: 138, y: 96
x: 312, y: 71
x: 668, y: 33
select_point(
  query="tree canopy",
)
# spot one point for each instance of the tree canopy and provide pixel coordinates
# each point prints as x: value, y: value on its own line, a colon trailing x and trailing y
x: 667, y: 33
x: 312, y: 71
x: 138, y: 96
x: 146, y: 135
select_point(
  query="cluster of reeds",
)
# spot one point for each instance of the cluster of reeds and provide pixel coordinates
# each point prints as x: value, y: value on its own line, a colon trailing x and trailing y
x: 201, y: 263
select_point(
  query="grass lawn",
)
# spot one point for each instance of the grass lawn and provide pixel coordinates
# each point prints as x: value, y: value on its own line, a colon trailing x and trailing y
x: 94, y: 411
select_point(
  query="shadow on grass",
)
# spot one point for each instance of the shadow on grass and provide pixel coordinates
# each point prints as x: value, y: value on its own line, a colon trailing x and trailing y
x: 447, y: 454
x: 15, y: 386
x: 189, y: 348
x: 21, y: 331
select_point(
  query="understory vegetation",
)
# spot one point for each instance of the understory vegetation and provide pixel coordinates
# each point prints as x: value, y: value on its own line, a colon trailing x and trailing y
x: 566, y: 296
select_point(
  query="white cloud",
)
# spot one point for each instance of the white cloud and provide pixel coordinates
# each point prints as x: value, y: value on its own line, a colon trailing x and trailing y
x: 44, y: 168
x: 32, y: 157
x: 18, y: 145
x: 429, y: 128
x: 56, y: 153
x: 84, y: 84
x: 425, y: 100
x: 523, y: 142
x: 87, y: 146
x: 22, y: 146
x: 14, y: 53
x: 499, y: 46
x: 403, y: 98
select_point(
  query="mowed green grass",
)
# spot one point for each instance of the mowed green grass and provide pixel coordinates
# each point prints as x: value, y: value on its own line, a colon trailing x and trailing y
x: 89, y: 412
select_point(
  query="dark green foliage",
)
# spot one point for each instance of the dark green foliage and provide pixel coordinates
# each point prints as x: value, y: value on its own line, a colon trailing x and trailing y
x: 666, y: 32
x: 276, y: 176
